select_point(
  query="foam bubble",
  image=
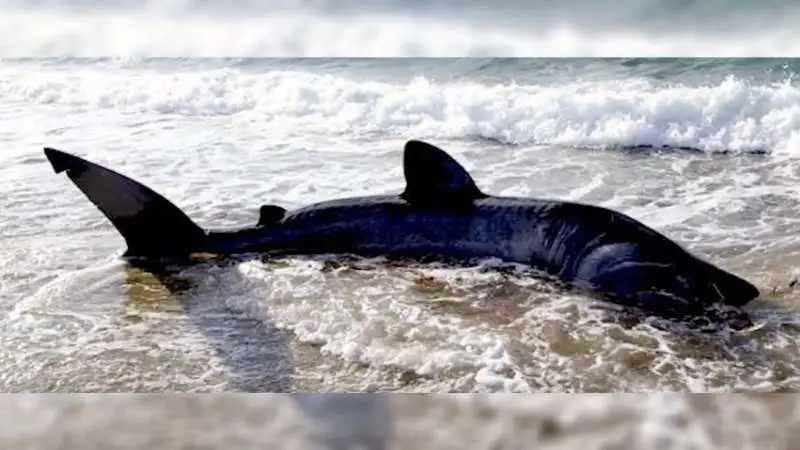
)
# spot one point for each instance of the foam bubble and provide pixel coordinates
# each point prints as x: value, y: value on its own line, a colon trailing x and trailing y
x: 730, y: 115
x: 383, y: 324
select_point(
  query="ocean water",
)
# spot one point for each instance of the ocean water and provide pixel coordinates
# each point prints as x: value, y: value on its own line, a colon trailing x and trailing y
x: 703, y: 150
x: 249, y: 28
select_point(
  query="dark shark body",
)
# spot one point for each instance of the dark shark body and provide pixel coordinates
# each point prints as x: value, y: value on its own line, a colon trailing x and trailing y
x: 441, y: 214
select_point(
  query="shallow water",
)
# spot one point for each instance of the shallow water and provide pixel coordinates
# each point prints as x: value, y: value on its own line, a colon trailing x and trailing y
x: 221, y: 137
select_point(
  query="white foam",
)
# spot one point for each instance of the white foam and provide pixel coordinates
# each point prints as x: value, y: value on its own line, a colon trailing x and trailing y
x: 730, y: 115
x: 382, y: 325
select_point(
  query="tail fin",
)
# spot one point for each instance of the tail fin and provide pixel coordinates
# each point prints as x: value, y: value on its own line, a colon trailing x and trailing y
x: 150, y: 224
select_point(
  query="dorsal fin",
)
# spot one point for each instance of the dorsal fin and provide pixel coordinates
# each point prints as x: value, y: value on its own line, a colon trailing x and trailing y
x: 434, y: 178
x: 269, y: 215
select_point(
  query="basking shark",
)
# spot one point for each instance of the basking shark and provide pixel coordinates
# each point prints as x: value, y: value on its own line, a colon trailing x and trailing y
x: 441, y: 214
